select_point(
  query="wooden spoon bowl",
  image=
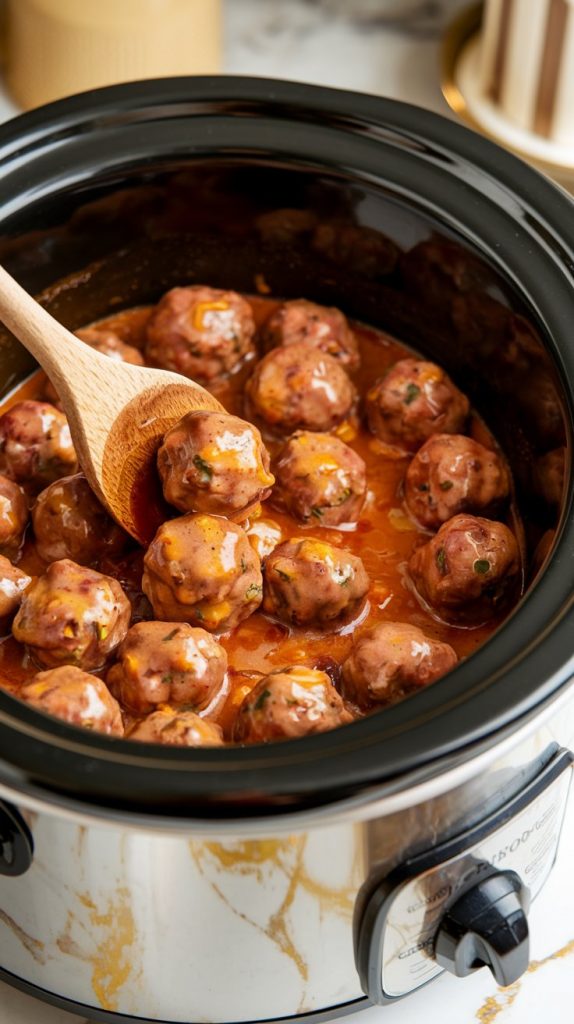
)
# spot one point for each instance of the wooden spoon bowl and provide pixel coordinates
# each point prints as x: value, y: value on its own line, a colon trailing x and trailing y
x: 118, y: 413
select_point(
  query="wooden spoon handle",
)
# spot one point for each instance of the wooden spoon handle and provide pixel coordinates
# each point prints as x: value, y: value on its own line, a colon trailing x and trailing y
x: 56, y: 349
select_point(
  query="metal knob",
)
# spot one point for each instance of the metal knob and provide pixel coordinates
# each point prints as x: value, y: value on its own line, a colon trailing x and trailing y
x: 487, y: 926
x: 16, y: 844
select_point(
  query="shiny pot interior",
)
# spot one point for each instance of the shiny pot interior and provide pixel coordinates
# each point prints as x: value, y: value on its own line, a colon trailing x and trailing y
x: 112, y: 197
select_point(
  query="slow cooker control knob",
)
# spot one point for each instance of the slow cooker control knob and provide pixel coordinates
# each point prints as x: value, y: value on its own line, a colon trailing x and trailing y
x: 487, y: 926
x: 16, y: 844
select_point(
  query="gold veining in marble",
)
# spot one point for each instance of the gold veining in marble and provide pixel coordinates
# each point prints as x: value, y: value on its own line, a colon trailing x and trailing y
x: 110, y: 961
x: 285, y: 856
x: 492, y: 1007
x: 34, y: 946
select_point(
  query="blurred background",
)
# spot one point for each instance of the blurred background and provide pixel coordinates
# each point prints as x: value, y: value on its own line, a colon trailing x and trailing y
x: 505, y: 67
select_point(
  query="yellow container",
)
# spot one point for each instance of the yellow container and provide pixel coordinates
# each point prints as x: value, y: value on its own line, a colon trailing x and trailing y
x: 58, y: 47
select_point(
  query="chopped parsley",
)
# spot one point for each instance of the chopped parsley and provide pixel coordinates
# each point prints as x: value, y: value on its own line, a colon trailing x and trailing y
x: 445, y: 485
x: 441, y: 560
x: 283, y: 575
x: 204, y: 469
x: 412, y: 392
x: 253, y: 590
x: 167, y: 679
x: 261, y: 700
x: 170, y: 636
x: 317, y: 511
x: 481, y: 566
x: 423, y: 487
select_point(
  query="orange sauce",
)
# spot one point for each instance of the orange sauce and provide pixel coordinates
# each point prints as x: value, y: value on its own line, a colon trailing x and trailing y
x: 384, y: 537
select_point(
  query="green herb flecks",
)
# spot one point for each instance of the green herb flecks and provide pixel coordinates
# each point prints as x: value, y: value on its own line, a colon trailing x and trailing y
x: 283, y: 575
x: 170, y: 636
x: 253, y: 590
x: 441, y: 560
x: 412, y: 392
x: 261, y: 700
x: 445, y: 485
x: 481, y: 566
x: 204, y: 469
x: 167, y: 679
x: 317, y: 511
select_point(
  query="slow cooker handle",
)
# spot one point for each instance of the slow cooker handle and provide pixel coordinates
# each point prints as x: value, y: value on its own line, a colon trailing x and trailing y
x: 16, y: 843
x: 487, y: 926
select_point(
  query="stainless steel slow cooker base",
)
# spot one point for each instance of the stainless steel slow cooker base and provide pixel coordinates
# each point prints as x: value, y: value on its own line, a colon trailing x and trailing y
x: 188, y: 927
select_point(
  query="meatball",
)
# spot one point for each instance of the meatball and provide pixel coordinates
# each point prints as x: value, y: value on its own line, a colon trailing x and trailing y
x: 103, y: 340
x: 288, y: 703
x: 13, y: 516
x: 392, y: 660
x: 319, y: 477
x: 200, y: 332
x: 452, y: 473
x: 77, y: 697
x: 70, y: 522
x: 467, y: 570
x: 202, y: 569
x: 72, y: 616
x: 213, y: 462
x: 13, y: 583
x: 322, y: 327
x: 167, y: 663
x: 413, y: 401
x: 309, y: 581
x: 300, y: 387
x: 35, y: 444
x: 177, y: 729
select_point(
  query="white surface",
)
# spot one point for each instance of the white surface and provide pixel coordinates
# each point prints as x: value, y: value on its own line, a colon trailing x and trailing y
x: 300, y: 40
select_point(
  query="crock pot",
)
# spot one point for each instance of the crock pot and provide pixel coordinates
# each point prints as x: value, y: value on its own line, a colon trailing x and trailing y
x: 316, y: 876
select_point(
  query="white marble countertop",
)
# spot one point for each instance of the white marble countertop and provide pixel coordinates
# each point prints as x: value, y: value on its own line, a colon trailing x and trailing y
x: 396, y: 56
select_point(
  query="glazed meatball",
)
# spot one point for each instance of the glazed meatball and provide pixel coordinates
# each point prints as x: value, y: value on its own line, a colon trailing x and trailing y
x: 70, y: 522
x: 103, y: 340
x: 213, y: 462
x: 77, y: 697
x: 200, y: 332
x: 309, y: 581
x: 167, y: 663
x: 202, y: 570
x: 322, y: 327
x: 392, y: 660
x: 467, y: 571
x: 177, y: 729
x: 413, y: 401
x: 300, y: 387
x: 289, y: 703
x: 13, y: 583
x: 35, y: 444
x: 13, y: 516
x: 450, y: 474
x: 320, y: 478
x: 72, y: 616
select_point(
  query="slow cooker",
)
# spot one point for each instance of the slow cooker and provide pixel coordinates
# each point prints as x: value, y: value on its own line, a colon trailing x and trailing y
x: 313, y: 877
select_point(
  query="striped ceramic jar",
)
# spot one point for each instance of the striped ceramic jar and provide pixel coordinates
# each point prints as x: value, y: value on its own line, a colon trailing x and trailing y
x: 527, y: 64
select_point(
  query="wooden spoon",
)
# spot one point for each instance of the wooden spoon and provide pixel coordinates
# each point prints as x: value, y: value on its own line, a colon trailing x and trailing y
x: 118, y: 413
